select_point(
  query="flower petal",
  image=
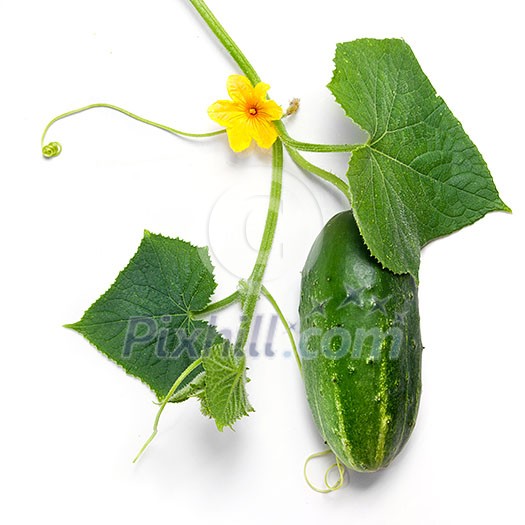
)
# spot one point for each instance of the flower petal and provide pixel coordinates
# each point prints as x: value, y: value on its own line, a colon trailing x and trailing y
x: 239, y: 88
x: 260, y: 90
x: 239, y: 138
x: 263, y: 131
x: 226, y: 113
x: 270, y: 110
x: 248, y: 115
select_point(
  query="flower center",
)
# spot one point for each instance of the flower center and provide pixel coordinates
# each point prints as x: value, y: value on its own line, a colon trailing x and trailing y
x: 252, y: 111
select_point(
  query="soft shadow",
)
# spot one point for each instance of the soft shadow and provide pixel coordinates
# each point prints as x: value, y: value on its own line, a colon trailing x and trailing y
x: 205, y: 450
x: 364, y: 480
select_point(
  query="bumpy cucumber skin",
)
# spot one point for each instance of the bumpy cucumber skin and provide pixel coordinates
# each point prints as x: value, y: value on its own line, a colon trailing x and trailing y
x: 363, y: 403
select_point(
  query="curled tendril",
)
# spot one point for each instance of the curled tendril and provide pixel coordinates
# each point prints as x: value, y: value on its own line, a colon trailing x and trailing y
x: 329, y: 487
x: 52, y: 149
x: 339, y: 483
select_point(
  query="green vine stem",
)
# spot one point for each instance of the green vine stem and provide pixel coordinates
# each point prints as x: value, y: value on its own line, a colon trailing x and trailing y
x: 165, y: 401
x: 53, y: 149
x: 226, y: 40
x: 320, y: 172
x: 219, y: 305
x: 254, y: 287
x: 314, y: 148
x: 284, y: 322
x: 235, y: 297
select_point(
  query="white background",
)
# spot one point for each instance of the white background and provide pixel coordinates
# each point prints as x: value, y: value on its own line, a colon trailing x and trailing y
x: 71, y: 421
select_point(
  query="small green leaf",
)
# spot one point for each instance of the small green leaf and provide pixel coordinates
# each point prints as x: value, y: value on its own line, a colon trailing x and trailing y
x: 224, y: 397
x: 144, y: 323
x: 419, y: 176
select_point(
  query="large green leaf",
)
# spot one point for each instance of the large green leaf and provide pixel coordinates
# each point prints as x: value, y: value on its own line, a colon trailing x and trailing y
x: 144, y: 323
x: 419, y: 176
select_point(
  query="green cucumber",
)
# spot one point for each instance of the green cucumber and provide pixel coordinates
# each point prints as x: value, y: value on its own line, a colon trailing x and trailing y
x: 360, y: 348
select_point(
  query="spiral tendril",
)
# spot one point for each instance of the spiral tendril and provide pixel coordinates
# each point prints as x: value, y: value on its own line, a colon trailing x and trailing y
x: 51, y: 150
x: 329, y: 487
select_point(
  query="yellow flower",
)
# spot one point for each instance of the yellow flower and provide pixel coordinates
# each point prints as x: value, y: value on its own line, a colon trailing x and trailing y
x: 248, y: 115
